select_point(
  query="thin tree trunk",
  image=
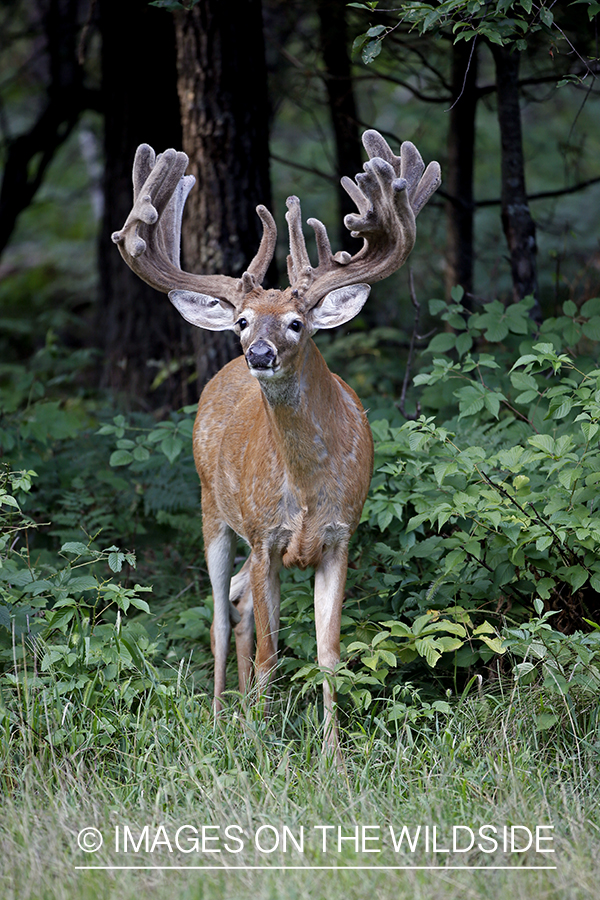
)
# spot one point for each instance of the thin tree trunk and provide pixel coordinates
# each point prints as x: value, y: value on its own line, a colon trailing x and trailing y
x: 29, y: 155
x: 136, y: 325
x: 517, y: 222
x: 459, y: 177
x: 342, y: 105
x: 223, y: 94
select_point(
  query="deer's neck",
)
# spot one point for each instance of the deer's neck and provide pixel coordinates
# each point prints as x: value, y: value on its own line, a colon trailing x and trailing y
x: 301, y: 410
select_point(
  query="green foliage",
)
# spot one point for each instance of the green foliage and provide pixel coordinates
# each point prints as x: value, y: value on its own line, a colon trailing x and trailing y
x: 504, y: 22
x: 496, y: 506
x: 169, y: 437
x: 65, y: 514
x: 55, y: 602
x: 174, y: 5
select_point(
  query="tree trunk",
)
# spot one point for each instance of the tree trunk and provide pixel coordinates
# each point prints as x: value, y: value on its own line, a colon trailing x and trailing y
x: 342, y: 106
x: 223, y: 94
x: 518, y: 225
x: 459, y: 178
x: 135, y: 324
x: 29, y: 155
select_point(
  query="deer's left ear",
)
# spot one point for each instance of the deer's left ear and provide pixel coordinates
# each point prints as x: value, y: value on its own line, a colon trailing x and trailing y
x: 339, y: 306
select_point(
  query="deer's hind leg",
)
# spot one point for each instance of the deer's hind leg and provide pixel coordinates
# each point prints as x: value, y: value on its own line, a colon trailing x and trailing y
x: 242, y: 614
x: 264, y: 579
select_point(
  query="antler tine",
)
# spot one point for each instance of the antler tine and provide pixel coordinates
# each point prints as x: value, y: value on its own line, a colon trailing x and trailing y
x: 427, y: 186
x: 299, y: 267
x: 322, y: 240
x: 143, y: 163
x: 150, y: 238
x: 261, y: 262
x: 170, y: 225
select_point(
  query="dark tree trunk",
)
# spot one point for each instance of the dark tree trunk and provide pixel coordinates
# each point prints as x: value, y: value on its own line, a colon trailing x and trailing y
x: 342, y: 105
x: 29, y: 154
x: 224, y: 109
x: 519, y: 227
x: 136, y: 326
x: 459, y: 178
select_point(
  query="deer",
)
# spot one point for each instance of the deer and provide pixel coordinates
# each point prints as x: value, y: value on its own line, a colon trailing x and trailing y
x: 282, y: 446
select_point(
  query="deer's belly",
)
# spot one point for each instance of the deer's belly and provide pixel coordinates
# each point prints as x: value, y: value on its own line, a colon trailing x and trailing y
x: 296, y: 531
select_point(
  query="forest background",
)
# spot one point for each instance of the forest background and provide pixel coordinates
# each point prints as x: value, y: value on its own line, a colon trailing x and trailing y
x: 470, y: 674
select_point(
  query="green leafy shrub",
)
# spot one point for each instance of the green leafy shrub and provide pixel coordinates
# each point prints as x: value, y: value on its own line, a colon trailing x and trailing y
x: 75, y: 669
x: 496, y: 506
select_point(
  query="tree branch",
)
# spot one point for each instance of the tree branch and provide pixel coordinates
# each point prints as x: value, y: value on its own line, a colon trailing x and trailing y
x: 294, y: 165
x: 540, y: 195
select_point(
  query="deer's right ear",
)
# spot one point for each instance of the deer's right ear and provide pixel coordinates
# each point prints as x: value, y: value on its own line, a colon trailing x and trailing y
x: 203, y: 310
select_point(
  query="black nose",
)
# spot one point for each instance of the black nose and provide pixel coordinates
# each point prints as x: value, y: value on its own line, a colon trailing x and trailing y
x: 260, y: 355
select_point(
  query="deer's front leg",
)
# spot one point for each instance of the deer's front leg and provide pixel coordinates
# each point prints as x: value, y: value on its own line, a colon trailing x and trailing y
x: 220, y: 548
x: 264, y: 578
x: 330, y: 581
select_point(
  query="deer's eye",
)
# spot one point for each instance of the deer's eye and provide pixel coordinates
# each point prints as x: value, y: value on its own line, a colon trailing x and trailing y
x: 296, y: 325
x: 242, y: 323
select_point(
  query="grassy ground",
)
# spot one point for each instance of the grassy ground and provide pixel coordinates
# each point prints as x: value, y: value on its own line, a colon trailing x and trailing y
x: 483, y: 765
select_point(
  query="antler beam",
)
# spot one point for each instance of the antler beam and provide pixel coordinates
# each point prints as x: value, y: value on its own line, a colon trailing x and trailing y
x: 150, y: 239
x: 388, y: 195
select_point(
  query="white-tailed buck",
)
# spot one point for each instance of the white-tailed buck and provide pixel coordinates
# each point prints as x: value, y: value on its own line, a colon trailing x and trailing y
x: 283, y: 447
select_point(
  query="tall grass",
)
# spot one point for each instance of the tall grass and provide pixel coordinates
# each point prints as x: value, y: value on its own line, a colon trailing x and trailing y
x: 163, y: 761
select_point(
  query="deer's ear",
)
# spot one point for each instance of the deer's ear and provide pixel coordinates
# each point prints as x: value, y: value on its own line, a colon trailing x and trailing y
x: 203, y: 310
x: 339, y: 306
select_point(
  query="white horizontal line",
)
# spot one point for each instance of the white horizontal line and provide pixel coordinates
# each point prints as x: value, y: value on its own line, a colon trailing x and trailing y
x: 334, y: 868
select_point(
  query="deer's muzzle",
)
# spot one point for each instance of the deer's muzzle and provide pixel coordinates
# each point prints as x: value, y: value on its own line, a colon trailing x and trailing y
x: 261, y: 355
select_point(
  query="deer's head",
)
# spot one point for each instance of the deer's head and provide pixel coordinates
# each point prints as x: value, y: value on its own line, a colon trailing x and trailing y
x: 273, y: 325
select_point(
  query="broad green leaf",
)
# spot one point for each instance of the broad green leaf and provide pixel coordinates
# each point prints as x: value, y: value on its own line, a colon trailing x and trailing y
x: 116, y: 560
x: 495, y: 644
x: 544, y: 542
x: 591, y: 329
x: 426, y: 647
x: 591, y: 307
x: 576, y: 576
x: 544, y: 721
x: 441, y: 343
x: 524, y: 382
x: 382, y: 636
x: 75, y: 547
x: 120, y: 458
x: 437, y: 306
x: 83, y: 583
x: 544, y: 442
x: 371, y: 51
x: 449, y: 644
x: 464, y: 342
x: 563, y: 410
x: 595, y: 582
x: 171, y: 447
x: 138, y: 603
x: 399, y: 629
x: 492, y: 403
x: 388, y: 657
x: 141, y: 453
